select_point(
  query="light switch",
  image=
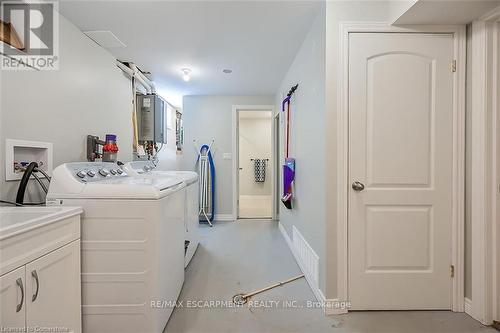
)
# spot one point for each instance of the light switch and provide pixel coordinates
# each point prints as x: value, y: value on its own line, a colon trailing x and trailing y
x: 226, y: 156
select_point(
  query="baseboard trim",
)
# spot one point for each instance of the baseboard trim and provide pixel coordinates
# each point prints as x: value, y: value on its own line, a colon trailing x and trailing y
x: 330, y: 306
x: 223, y: 217
x: 468, y: 306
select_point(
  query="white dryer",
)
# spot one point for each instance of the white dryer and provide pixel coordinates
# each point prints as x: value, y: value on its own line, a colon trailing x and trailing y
x: 191, y: 216
x: 132, y: 244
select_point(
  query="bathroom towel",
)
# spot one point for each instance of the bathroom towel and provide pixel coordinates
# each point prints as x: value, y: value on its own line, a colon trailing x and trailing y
x: 259, y: 166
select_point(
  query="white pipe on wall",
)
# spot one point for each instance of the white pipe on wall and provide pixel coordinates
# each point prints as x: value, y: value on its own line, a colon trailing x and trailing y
x: 124, y: 68
x: 139, y: 74
x: 134, y: 72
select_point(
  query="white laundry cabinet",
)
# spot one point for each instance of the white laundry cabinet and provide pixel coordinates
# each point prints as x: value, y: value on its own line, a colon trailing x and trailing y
x: 41, y: 290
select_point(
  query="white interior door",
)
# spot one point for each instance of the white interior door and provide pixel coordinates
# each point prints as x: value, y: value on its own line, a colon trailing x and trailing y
x: 400, y: 147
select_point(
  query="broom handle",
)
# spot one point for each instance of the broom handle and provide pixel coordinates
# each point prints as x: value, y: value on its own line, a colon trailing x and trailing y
x: 287, y: 128
x: 272, y: 286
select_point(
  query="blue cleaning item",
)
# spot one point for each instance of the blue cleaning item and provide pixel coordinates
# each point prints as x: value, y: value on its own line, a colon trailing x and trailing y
x: 210, y: 203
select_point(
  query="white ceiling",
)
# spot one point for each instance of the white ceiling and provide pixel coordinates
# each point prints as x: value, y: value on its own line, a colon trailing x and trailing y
x: 258, y: 40
x: 446, y: 12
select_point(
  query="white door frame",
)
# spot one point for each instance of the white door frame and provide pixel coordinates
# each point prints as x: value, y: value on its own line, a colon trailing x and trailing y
x: 459, y: 35
x: 235, y: 153
x: 484, y: 305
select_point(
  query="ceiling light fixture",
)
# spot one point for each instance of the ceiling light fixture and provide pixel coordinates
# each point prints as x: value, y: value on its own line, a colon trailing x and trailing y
x: 186, y: 74
x: 227, y: 71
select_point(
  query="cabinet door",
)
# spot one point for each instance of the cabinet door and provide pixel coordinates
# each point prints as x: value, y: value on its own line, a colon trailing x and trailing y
x: 13, y: 300
x: 53, y: 293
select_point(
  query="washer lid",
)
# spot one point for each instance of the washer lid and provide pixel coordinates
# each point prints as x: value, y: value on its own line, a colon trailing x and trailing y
x: 65, y: 184
x: 147, y: 169
x: 160, y: 183
x: 188, y: 177
x: 132, y: 187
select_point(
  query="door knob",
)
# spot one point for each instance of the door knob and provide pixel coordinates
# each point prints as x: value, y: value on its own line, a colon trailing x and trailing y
x: 358, y: 186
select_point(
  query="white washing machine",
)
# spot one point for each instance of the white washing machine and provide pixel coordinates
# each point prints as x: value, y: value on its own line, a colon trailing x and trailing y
x: 132, y: 242
x: 191, y: 218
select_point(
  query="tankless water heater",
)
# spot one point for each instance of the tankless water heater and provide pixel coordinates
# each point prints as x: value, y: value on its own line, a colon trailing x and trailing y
x: 151, y: 118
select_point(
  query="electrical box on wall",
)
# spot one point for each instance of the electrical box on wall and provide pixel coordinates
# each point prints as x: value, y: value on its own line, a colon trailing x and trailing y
x: 151, y: 118
x: 20, y: 153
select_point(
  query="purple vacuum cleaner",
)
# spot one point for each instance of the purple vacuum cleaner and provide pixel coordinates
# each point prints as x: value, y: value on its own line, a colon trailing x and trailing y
x: 289, y: 166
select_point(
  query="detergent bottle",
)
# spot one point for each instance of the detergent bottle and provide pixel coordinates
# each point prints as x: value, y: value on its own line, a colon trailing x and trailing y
x: 110, y: 149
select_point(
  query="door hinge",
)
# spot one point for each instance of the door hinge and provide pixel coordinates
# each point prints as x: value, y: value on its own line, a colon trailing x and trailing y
x: 453, y: 66
x: 452, y: 271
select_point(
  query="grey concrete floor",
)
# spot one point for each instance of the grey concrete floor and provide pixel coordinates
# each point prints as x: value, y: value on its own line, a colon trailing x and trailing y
x: 242, y: 256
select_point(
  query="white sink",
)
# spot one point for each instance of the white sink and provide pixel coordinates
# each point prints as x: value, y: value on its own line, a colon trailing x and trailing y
x: 16, y: 220
x: 27, y: 233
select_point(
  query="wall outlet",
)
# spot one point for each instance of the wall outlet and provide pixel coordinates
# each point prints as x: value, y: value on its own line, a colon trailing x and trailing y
x: 227, y: 156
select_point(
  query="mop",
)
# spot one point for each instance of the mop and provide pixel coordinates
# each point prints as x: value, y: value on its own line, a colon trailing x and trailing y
x: 289, y: 166
x: 206, y: 172
x: 240, y: 299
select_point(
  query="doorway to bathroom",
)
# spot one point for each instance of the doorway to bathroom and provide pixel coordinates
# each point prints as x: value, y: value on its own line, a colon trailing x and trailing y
x: 255, y: 169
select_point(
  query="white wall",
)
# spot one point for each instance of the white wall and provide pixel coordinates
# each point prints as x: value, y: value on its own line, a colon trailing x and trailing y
x: 255, y: 142
x: 168, y: 156
x: 307, y: 142
x: 337, y: 12
x: 313, y: 141
x: 87, y: 95
x: 207, y: 118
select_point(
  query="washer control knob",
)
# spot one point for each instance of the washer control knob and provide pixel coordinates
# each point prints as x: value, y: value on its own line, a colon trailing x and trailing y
x: 90, y: 173
x: 81, y: 174
x: 103, y: 172
x: 112, y: 171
